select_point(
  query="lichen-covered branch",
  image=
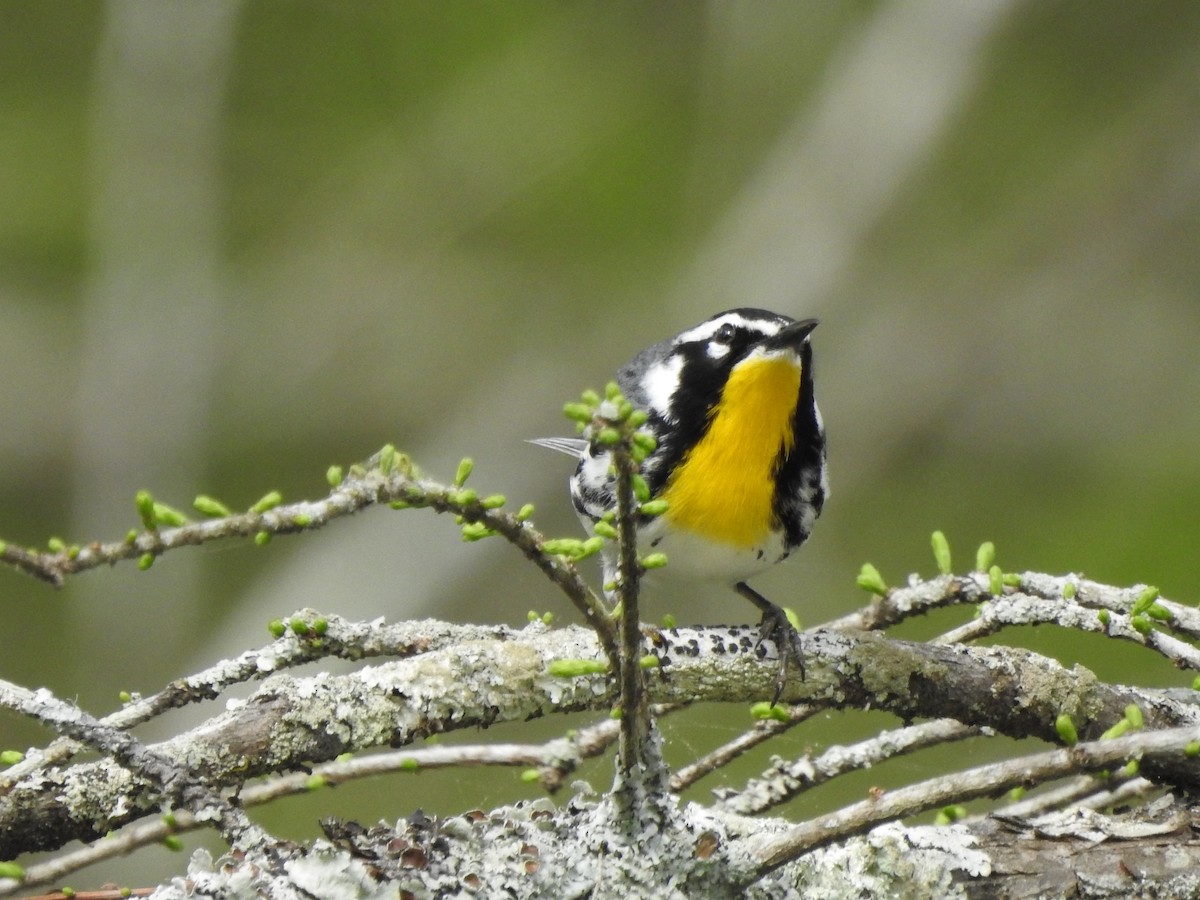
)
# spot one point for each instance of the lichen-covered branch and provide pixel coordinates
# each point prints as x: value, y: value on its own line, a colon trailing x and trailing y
x: 174, y: 782
x: 292, y: 721
x: 305, y: 636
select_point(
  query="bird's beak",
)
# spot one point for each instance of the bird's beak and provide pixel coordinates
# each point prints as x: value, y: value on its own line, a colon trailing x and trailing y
x: 792, y: 336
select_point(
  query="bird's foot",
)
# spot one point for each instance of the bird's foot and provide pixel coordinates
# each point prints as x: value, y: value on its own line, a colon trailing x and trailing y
x: 777, y: 627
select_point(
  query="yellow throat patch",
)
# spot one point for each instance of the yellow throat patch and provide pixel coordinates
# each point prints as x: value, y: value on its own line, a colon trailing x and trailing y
x: 724, y: 486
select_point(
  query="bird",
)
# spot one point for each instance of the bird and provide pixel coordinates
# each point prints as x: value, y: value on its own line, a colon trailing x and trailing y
x: 739, y: 456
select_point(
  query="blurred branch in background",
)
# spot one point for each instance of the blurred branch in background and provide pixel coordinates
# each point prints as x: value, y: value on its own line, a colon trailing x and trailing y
x: 153, y: 306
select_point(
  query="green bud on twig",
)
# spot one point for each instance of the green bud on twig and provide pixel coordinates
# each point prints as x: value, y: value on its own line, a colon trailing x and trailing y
x: 267, y: 502
x: 579, y: 412
x: 1065, y: 726
x: 941, y: 552
x: 570, y: 547
x: 144, y: 501
x: 476, y: 531
x: 653, y: 507
x: 948, y: 815
x: 576, y: 668
x: 870, y: 580
x: 387, y: 459
x: 985, y: 556
x: 169, y: 515
x: 333, y: 476
x: 591, y: 547
x: 654, y: 560
x: 766, y: 710
x: 465, y: 466
x: 641, y: 490
x: 1133, y: 715
x: 995, y: 581
x: 1144, y: 601
x: 644, y: 440
x: 209, y: 506
x: 604, y: 530
x: 1118, y: 730
x: 464, y: 497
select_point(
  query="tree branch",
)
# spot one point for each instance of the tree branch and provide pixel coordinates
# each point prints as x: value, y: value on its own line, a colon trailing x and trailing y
x: 290, y: 722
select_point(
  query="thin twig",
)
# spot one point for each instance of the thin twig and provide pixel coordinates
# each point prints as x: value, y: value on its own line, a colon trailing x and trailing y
x: 1086, y: 792
x: 356, y: 492
x: 762, y: 731
x: 1024, y: 609
x: 635, y: 713
x: 787, y: 779
x: 984, y: 781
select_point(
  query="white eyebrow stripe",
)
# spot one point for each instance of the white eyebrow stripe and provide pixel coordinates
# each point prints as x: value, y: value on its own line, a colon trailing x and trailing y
x: 706, y: 330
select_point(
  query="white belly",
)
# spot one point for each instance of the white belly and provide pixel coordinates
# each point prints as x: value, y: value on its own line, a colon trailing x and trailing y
x: 693, y: 558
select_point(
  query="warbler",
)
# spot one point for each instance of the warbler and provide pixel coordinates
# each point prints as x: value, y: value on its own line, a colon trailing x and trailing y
x: 739, y: 455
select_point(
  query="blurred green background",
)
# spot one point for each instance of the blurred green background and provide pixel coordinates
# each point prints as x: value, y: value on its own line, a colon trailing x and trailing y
x: 240, y: 241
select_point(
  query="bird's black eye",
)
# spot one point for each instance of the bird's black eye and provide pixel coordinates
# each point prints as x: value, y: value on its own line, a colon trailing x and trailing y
x: 725, y: 334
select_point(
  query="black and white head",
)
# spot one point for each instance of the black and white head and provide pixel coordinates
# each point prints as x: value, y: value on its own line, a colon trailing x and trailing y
x: 680, y: 381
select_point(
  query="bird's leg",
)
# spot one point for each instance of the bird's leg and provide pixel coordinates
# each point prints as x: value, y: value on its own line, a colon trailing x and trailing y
x: 775, y: 625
